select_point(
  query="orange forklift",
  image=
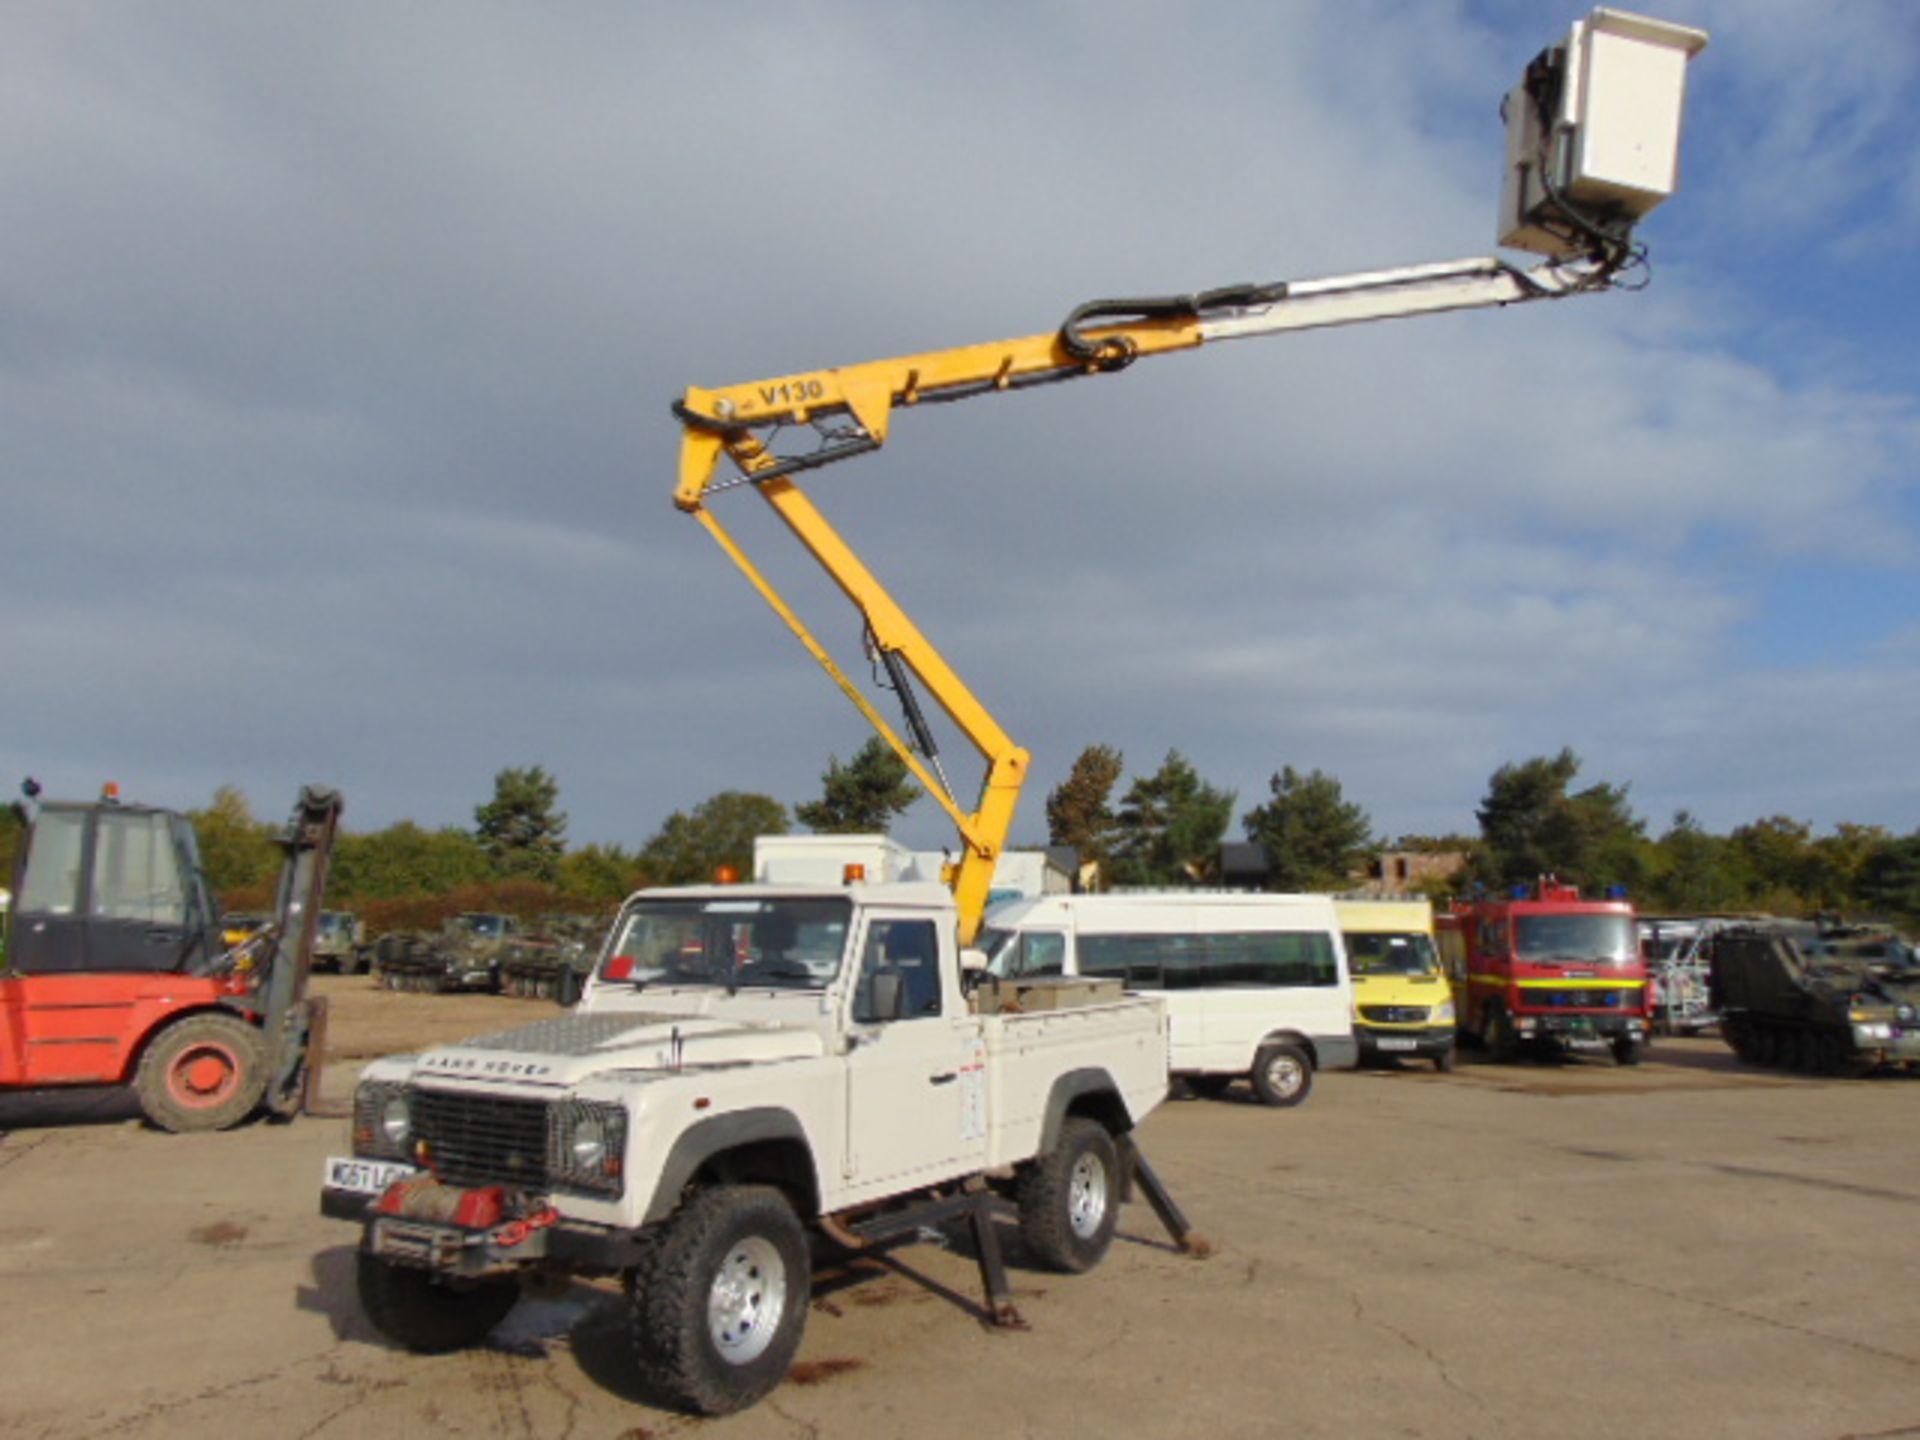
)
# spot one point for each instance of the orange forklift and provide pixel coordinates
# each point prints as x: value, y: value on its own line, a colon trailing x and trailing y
x: 116, y: 969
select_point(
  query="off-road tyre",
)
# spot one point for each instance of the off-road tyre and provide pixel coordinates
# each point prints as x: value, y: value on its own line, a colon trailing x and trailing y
x: 1805, y: 1053
x: 1069, y: 1198
x: 1282, y: 1075
x: 1501, y: 1041
x: 1738, y: 1037
x: 206, y: 1072
x: 718, y: 1304
x: 427, y: 1315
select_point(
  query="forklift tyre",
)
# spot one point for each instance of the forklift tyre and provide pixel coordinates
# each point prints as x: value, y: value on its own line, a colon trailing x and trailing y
x: 427, y: 1315
x: 206, y: 1072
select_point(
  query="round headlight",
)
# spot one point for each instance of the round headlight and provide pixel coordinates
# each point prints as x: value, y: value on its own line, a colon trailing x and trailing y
x: 590, y: 1143
x: 394, y: 1121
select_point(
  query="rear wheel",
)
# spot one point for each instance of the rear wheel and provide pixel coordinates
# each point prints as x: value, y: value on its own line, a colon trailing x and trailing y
x: 1282, y: 1075
x: 205, y: 1072
x: 1070, y: 1198
x: 428, y: 1315
x: 718, y: 1305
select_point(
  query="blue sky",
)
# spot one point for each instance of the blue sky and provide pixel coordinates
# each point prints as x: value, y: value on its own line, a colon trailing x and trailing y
x: 336, y: 346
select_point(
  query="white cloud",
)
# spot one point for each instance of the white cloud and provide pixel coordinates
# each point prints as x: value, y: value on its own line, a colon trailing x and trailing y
x: 338, y: 350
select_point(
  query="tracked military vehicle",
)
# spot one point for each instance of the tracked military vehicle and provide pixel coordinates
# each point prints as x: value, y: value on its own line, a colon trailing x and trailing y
x: 464, y: 954
x: 553, y: 964
x: 1821, y: 999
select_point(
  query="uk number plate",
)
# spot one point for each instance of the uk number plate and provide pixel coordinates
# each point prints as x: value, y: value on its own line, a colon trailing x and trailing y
x: 1399, y: 1044
x: 365, y: 1177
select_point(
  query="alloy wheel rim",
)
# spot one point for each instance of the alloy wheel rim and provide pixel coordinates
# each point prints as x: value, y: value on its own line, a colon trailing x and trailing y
x: 748, y: 1297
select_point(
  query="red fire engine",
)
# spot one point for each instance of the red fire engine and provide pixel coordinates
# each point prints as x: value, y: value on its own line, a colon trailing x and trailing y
x: 1545, y: 967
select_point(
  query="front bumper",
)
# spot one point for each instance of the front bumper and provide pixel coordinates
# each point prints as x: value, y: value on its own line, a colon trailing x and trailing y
x: 1573, y: 1029
x: 1426, y: 1043
x: 446, y: 1248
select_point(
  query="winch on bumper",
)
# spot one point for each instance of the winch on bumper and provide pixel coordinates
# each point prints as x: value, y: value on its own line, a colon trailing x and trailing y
x: 451, y: 1230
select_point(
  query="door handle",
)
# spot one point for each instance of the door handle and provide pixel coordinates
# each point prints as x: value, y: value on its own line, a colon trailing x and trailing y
x: 946, y: 1079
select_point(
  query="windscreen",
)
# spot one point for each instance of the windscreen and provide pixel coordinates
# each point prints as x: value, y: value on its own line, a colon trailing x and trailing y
x: 136, y: 870
x: 1379, y: 953
x: 1605, y: 939
x: 781, y: 944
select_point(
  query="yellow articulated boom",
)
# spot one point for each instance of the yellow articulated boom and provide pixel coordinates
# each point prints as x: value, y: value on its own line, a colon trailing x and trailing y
x: 1562, y: 201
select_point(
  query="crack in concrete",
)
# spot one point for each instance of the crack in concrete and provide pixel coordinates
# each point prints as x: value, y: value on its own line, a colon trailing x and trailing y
x: 1426, y: 1352
x: 12, y: 1151
x: 1590, y: 1272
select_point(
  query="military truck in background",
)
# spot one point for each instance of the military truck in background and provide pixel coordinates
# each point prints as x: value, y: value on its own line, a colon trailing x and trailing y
x: 340, y: 943
x: 463, y: 954
x: 1823, y: 999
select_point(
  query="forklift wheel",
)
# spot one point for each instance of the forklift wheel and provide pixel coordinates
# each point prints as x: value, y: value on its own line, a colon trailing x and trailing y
x: 206, y: 1072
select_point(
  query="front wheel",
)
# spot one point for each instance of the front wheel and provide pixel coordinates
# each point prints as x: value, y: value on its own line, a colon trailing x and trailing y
x: 1626, y: 1050
x: 1443, y: 1062
x: 1501, y: 1041
x: 1070, y: 1198
x: 427, y: 1315
x: 718, y: 1306
x: 206, y: 1072
x: 1282, y: 1075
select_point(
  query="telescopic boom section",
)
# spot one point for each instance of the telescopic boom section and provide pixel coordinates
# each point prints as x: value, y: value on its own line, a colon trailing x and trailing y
x: 850, y: 408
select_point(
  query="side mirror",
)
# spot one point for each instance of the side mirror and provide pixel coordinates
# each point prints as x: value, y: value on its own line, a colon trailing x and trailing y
x: 569, y: 988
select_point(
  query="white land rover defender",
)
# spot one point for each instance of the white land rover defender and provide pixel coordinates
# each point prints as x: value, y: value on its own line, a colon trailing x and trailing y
x: 749, y: 1063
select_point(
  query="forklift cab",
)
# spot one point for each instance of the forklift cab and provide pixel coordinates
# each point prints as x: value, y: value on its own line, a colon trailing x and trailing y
x: 111, y: 888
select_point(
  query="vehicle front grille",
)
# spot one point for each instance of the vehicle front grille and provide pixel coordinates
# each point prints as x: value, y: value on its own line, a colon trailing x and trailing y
x: 1583, y: 999
x: 1394, y: 1014
x: 482, y: 1139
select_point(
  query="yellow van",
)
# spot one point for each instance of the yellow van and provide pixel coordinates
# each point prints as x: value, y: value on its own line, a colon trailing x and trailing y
x: 1401, y: 1003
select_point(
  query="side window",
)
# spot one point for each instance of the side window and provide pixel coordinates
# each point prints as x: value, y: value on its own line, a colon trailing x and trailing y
x: 1044, y: 952
x: 1453, y: 953
x: 899, y: 972
x: 52, y: 882
x: 137, y: 871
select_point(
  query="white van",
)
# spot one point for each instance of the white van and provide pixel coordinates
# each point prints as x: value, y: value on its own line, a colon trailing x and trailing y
x: 1256, y: 986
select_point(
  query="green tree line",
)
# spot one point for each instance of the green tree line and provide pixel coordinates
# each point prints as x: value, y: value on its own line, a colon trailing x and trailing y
x: 1165, y: 827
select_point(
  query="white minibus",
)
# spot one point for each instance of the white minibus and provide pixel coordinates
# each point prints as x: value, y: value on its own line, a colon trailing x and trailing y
x: 1255, y: 986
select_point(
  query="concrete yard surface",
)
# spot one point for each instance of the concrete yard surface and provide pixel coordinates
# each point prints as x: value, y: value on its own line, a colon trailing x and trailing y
x: 1687, y: 1248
